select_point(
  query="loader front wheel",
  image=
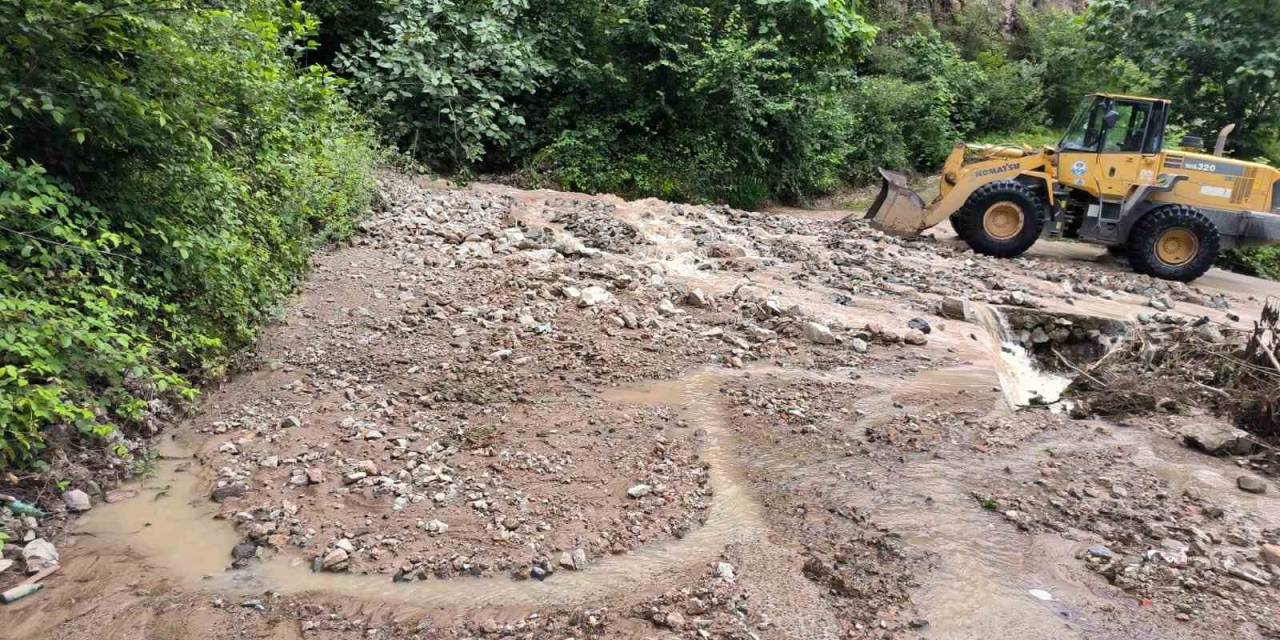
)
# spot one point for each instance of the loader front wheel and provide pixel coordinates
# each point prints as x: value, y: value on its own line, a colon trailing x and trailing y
x: 1001, y: 219
x: 1174, y: 242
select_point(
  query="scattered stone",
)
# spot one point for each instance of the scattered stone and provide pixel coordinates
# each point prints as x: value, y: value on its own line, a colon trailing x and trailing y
x: 639, y: 491
x: 725, y: 571
x: 818, y: 333
x: 859, y: 345
x: 38, y: 555
x: 920, y: 324
x: 291, y: 422
x: 77, y: 500
x: 335, y: 560
x: 1251, y: 484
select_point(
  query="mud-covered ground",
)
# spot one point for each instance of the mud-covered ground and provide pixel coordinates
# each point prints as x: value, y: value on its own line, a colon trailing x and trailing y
x: 517, y: 414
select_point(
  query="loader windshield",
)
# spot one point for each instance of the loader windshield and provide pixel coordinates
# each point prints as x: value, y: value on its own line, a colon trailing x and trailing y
x: 1085, y: 131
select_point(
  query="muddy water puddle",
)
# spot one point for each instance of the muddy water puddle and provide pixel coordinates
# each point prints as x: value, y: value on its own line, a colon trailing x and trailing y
x: 171, y: 524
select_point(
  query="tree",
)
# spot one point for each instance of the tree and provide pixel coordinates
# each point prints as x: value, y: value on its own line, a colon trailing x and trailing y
x: 1218, y: 60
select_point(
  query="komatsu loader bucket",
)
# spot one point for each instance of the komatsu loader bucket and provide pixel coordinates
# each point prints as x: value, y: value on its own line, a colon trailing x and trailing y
x: 897, y: 210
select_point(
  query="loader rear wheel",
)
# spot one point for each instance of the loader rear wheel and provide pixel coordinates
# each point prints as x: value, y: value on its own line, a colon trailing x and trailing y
x: 1001, y: 219
x: 1174, y: 242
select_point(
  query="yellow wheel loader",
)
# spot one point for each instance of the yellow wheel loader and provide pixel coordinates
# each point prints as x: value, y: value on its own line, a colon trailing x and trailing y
x: 1109, y: 181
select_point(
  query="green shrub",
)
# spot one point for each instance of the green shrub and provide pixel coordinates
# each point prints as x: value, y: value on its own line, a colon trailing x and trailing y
x: 166, y: 172
x: 440, y: 75
x: 1263, y: 262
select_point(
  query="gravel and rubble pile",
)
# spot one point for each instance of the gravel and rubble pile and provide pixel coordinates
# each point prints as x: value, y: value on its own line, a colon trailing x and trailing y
x: 596, y: 224
x: 430, y: 418
x: 1187, y: 552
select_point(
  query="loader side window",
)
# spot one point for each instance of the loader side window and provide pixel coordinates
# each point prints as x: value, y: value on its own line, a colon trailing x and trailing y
x: 1131, y: 128
x: 1275, y: 197
x: 1155, y: 131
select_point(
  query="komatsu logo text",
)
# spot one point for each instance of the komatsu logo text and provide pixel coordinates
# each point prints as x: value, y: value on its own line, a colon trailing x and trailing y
x: 994, y: 170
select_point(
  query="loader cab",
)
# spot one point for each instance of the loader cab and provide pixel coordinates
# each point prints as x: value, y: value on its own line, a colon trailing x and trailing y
x: 1113, y: 143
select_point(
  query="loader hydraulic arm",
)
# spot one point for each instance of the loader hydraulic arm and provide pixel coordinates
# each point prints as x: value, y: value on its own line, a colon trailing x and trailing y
x: 900, y: 211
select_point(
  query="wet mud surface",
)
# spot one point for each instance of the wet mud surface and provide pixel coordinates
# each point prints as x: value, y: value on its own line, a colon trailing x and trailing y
x: 627, y: 426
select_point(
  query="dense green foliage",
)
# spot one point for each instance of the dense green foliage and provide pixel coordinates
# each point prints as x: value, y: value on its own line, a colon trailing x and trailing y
x: 165, y: 170
x: 1218, y: 61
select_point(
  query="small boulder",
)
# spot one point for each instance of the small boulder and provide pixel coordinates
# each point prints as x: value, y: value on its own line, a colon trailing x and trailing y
x: 39, y: 554
x: 920, y: 324
x: 818, y: 333
x: 1216, y: 439
x: 233, y: 490
x: 335, y: 560
x: 675, y: 620
x: 639, y: 491
x: 725, y: 250
x: 725, y: 571
x: 956, y: 309
x: 1251, y: 484
x: 77, y: 500
x: 696, y: 298
x: 593, y: 296
x: 1271, y: 554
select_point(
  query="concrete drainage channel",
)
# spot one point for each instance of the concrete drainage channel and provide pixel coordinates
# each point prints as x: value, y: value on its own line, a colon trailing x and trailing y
x: 1042, y: 352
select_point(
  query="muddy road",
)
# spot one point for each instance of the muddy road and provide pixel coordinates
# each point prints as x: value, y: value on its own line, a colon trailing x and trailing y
x: 516, y: 414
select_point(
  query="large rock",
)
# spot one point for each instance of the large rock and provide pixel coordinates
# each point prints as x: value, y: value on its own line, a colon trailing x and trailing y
x: 818, y: 333
x: 1251, y: 484
x: 39, y: 554
x: 77, y: 500
x: 1216, y: 439
x: 335, y: 560
x: 956, y: 309
x: 593, y: 295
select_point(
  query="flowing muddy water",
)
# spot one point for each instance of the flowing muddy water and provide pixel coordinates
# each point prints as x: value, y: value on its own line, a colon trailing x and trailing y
x: 1020, y: 378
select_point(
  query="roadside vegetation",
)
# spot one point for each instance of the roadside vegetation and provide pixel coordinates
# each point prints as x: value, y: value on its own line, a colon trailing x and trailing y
x: 168, y: 166
x: 165, y: 171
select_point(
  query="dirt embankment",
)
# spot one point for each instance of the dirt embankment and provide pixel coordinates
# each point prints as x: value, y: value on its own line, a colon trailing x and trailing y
x: 543, y: 415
